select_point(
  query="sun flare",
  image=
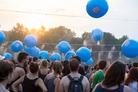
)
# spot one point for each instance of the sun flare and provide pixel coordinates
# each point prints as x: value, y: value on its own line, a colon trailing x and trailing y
x: 35, y: 21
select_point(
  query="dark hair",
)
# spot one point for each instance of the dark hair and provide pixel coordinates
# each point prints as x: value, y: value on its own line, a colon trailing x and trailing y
x: 35, y: 59
x: 135, y: 64
x: 66, y: 62
x: 30, y: 59
x: 33, y: 67
x: 132, y: 76
x: 48, y: 60
x: 114, y: 75
x: 95, y: 67
x: 77, y: 57
x: 73, y: 64
x: 6, y: 67
x: 129, y: 66
x: 21, y: 56
x: 86, y: 67
x: 13, y: 61
x: 40, y: 57
x: 102, y: 64
x: 57, y: 67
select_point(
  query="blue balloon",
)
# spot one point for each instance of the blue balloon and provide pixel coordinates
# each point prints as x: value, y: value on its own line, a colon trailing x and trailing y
x: 34, y: 51
x: 130, y: 48
x: 96, y: 35
x: 69, y: 54
x: 16, y: 46
x: 97, y: 8
x: 8, y: 56
x: 64, y: 47
x: 89, y: 62
x: 2, y: 36
x: 26, y: 49
x: 30, y: 40
x: 84, y: 53
x: 55, y: 56
x: 44, y: 54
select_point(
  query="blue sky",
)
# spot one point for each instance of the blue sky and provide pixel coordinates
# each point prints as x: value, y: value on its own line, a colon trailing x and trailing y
x: 121, y: 18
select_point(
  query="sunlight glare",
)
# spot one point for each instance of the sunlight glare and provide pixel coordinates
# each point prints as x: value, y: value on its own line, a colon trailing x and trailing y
x: 36, y: 21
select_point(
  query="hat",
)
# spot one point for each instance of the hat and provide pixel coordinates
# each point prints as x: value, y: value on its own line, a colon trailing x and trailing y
x: 2, y: 57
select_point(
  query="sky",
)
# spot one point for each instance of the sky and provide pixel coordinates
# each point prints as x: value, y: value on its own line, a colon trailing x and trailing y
x: 121, y: 18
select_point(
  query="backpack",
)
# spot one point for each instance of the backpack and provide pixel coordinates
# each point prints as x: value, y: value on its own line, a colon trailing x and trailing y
x: 75, y: 84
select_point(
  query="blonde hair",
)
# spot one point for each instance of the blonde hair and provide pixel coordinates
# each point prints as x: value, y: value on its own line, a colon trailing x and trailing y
x: 44, y: 64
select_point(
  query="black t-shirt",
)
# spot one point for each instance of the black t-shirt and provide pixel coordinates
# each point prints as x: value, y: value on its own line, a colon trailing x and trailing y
x: 29, y: 85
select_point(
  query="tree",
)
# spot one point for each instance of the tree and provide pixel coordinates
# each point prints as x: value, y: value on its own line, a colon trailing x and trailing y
x: 76, y: 40
x: 42, y: 38
x: 109, y: 38
x: 122, y: 39
x: 55, y: 35
x: 18, y: 32
x: 85, y: 35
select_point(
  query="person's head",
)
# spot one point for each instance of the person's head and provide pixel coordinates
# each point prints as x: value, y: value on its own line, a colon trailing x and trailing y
x: 102, y: 64
x: 13, y: 61
x: 6, y: 69
x: 95, y: 67
x: 132, y: 76
x: 62, y: 63
x: 129, y: 66
x: 35, y: 59
x: 86, y: 68
x: 135, y: 64
x: 114, y: 75
x: 57, y: 67
x: 73, y: 65
x: 44, y: 64
x: 66, y: 62
x: 30, y: 59
x: 22, y: 57
x: 77, y: 57
x: 33, y: 67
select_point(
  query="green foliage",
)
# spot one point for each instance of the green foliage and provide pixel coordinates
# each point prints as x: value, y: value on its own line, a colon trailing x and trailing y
x: 17, y: 33
x: 122, y: 39
x: 85, y: 35
x: 108, y: 38
x: 76, y: 40
x: 48, y: 39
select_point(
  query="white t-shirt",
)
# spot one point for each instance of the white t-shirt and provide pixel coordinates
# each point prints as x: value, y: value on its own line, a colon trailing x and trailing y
x: 133, y: 86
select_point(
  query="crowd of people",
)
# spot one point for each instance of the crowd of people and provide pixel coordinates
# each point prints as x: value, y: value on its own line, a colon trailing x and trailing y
x: 31, y: 74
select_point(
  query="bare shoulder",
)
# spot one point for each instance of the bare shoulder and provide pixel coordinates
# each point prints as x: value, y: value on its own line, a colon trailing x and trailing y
x: 126, y: 89
x: 57, y: 80
x: 38, y: 81
x: 18, y: 72
x: 18, y: 69
x: 65, y: 80
x: 48, y: 75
